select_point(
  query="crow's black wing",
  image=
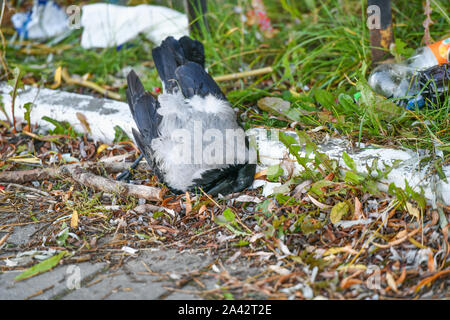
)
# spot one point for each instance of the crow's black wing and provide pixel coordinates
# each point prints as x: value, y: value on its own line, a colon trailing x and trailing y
x: 144, y: 110
x: 168, y: 57
x: 194, y: 80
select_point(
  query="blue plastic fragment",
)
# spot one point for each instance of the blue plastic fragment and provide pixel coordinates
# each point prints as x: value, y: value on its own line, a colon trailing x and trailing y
x: 415, y: 103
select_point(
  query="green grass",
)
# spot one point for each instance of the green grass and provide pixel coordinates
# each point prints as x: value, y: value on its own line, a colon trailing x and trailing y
x: 321, y: 44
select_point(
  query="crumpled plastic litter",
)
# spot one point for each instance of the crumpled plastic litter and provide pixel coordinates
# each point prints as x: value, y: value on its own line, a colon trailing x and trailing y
x: 24, y: 258
x: 107, y: 25
x: 45, y: 20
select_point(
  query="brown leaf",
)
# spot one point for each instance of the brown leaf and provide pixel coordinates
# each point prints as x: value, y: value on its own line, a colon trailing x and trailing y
x: 434, y: 217
x: 430, y: 264
x: 358, y: 210
x: 402, y: 277
x: 431, y: 279
x: 202, y: 209
x: 188, y: 203
x: 84, y: 123
x: 348, y: 282
x: 391, y: 281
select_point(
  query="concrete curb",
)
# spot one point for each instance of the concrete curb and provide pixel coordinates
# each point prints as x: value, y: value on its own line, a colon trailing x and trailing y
x: 104, y: 114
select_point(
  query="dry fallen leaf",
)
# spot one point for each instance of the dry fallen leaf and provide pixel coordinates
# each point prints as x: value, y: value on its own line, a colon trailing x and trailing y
x: 279, y: 270
x: 261, y: 174
x: 347, y: 249
x: 283, y: 247
x: 74, y: 219
x: 102, y: 148
x: 401, y: 278
x: 188, y: 203
x: 431, y: 265
x: 391, y: 281
x: 358, y: 210
x: 413, y: 211
x: 84, y: 123
x: 57, y: 78
x: 202, y: 209
x: 338, y: 211
x: 318, y: 204
x: 346, y: 283
x: 431, y: 279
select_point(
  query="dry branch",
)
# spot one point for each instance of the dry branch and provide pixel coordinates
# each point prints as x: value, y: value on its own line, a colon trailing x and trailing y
x: 245, y: 74
x: 79, y: 173
x: 84, y: 177
x: 89, y: 84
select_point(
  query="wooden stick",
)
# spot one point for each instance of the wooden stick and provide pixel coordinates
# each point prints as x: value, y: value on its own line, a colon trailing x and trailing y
x: 23, y: 176
x: 104, y: 184
x: 78, y: 173
x: 239, y: 75
x: 89, y: 84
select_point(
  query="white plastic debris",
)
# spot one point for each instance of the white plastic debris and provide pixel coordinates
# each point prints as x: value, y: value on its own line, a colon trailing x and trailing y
x: 24, y: 258
x: 350, y: 223
x: 107, y: 25
x: 45, y: 20
x: 102, y: 114
x: 105, y: 114
x: 272, y: 152
x: 247, y: 198
x: 129, y: 250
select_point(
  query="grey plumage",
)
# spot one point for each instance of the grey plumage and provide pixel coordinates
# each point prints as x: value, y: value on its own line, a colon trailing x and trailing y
x: 188, y: 134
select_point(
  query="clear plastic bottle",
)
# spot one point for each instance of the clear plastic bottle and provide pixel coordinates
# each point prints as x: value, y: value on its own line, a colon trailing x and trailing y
x: 394, y: 80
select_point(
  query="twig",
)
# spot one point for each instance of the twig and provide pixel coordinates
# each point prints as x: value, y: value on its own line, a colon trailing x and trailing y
x: 43, y: 193
x: 78, y: 173
x: 393, y: 243
x: 39, y: 292
x: 4, y: 238
x: 3, y: 53
x: 47, y: 173
x: 53, y: 138
x: 89, y: 84
x: 239, y: 75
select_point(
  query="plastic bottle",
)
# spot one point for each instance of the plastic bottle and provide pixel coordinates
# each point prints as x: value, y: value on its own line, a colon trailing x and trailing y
x: 433, y: 85
x: 395, y: 80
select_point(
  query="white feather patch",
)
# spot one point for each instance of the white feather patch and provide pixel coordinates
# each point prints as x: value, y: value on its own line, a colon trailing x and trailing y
x: 207, y: 124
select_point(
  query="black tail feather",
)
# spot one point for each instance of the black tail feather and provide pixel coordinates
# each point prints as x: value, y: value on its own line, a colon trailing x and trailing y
x: 194, y: 80
x: 193, y: 50
x: 168, y: 57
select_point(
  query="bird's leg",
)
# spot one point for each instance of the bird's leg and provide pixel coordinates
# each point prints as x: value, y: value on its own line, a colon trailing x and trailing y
x: 125, y: 175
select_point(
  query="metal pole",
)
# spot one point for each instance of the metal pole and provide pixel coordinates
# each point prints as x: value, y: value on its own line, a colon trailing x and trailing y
x: 379, y: 22
x: 196, y: 9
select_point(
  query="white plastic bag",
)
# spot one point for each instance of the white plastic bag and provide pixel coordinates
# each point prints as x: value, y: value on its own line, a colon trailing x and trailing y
x: 108, y: 25
x: 45, y: 20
